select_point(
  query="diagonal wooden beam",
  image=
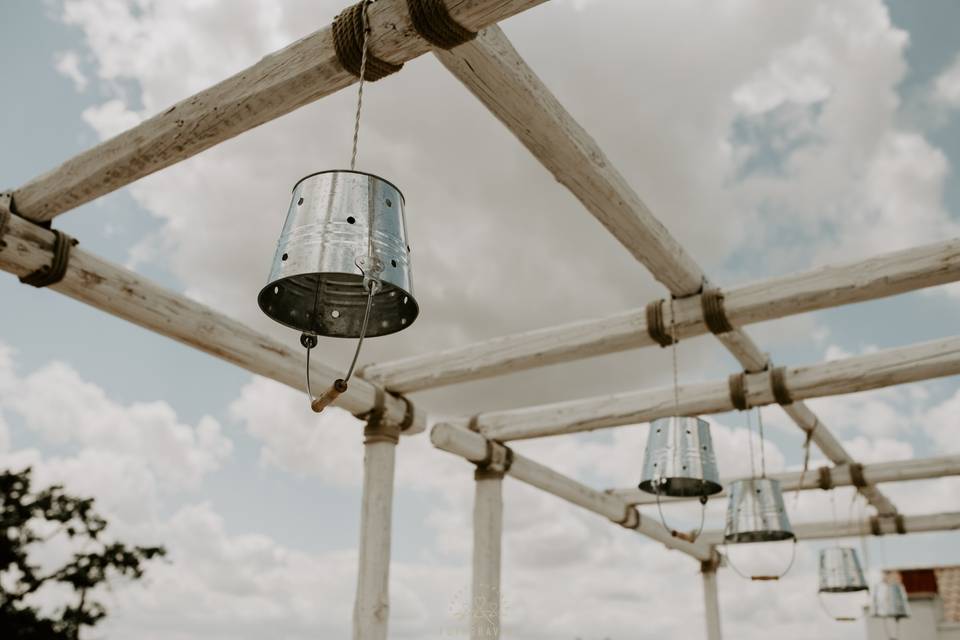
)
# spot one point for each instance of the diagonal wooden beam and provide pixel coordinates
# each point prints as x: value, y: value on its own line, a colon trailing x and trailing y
x: 475, y: 448
x: 285, y: 80
x: 495, y: 73
x: 825, y: 287
x: 26, y: 247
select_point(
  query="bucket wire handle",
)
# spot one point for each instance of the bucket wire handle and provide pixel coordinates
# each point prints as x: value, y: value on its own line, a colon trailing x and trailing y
x: 826, y: 609
x: 371, y: 281
x: 689, y: 537
x: 762, y: 578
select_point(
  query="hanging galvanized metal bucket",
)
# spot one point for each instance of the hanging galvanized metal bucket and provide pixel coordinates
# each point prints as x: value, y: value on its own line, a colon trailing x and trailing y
x: 840, y: 571
x: 679, y: 460
x: 343, y: 229
x: 890, y: 601
x: 756, y: 512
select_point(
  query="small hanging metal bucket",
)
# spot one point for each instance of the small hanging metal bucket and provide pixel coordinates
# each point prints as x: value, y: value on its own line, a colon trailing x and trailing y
x: 840, y: 571
x: 756, y: 512
x: 337, y: 221
x: 890, y: 601
x: 679, y: 460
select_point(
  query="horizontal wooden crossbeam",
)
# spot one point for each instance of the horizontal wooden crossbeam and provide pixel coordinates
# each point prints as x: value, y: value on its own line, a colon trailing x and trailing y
x: 949, y: 521
x: 924, y: 361
x: 838, y: 476
x: 125, y: 294
x: 283, y: 81
x: 822, y: 288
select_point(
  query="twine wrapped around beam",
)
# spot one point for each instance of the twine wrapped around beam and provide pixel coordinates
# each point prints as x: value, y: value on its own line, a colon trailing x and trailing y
x: 348, y: 34
x: 434, y: 23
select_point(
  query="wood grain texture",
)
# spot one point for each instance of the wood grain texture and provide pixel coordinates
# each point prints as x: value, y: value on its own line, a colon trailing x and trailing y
x: 819, y: 530
x: 473, y: 447
x: 924, y: 361
x: 123, y: 293
x: 299, y: 74
x: 878, y: 473
x: 495, y: 73
x: 487, y: 541
x: 371, y: 612
x: 825, y: 287
x: 711, y: 604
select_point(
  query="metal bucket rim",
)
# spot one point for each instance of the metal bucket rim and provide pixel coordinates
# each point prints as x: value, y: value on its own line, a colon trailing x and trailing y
x: 710, y: 487
x: 362, y: 173
x: 759, y: 535
x: 387, y: 286
x: 844, y: 589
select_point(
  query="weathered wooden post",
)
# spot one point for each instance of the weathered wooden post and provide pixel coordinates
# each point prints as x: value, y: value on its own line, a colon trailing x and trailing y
x: 371, y: 611
x: 708, y: 568
x: 487, y: 537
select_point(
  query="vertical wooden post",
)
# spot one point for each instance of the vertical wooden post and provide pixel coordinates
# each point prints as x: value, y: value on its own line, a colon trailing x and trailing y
x: 487, y: 535
x: 372, y: 608
x: 708, y: 569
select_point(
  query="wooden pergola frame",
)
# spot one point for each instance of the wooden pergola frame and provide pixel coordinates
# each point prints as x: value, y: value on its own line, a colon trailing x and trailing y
x: 494, y: 72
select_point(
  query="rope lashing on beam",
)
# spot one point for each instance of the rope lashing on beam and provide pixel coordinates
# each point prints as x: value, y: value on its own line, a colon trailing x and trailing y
x: 348, y: 31
x: 48, y: 274
x: 497, y: 462
x: 378, y: 429
x: 656, y: 328
x: 825, y: 480
x: 738, y: 391
x: 778, y: 385
x: 856, y: 475
x: 631, y: 518
x: 898, y: 523
x: 714, y: 313
x: 434, y: 23
x: 6, y: 206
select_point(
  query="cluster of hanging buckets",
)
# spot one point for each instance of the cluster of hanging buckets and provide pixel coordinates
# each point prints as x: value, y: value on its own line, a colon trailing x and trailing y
x: 680, y: 462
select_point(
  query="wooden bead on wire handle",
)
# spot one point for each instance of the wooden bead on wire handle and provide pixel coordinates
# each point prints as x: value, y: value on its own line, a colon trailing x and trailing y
x: 329, y: 396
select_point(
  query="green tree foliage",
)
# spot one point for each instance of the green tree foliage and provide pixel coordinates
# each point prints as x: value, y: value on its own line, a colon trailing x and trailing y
x: 29, y: 519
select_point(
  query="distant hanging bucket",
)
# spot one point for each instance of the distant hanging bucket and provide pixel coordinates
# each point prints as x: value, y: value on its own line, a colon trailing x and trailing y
x: 679, y: 460
x: 756, y: 512
x: 890, y: 601
x: 840, y: 571
x: 337, y: 220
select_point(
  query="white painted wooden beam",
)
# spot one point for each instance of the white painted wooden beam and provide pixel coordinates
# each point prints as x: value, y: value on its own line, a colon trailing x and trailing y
x: 474, y: 447
x: 878, y: 277
x: 711, y: 601
x: 495, y: 73
x: 878, y: 473
x: 887, y: 525
x: 125, y: 294
x: 924, y: 361
x: 486, y: 599
x: 285, y: 80
x: 371, y: 612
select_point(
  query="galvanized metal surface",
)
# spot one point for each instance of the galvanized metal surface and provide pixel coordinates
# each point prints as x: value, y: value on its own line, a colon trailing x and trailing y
x: 890, y: 601
x: 756, y: 512
x: 679, y: 459
x: 316, y: 280
x: 840, y: 571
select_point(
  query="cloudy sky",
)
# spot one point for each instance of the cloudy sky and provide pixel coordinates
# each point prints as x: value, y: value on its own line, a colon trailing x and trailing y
x: 769, y: 137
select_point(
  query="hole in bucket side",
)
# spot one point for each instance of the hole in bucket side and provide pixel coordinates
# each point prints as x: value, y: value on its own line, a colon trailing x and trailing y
x: 335, y: 313
x: 351, y: 219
